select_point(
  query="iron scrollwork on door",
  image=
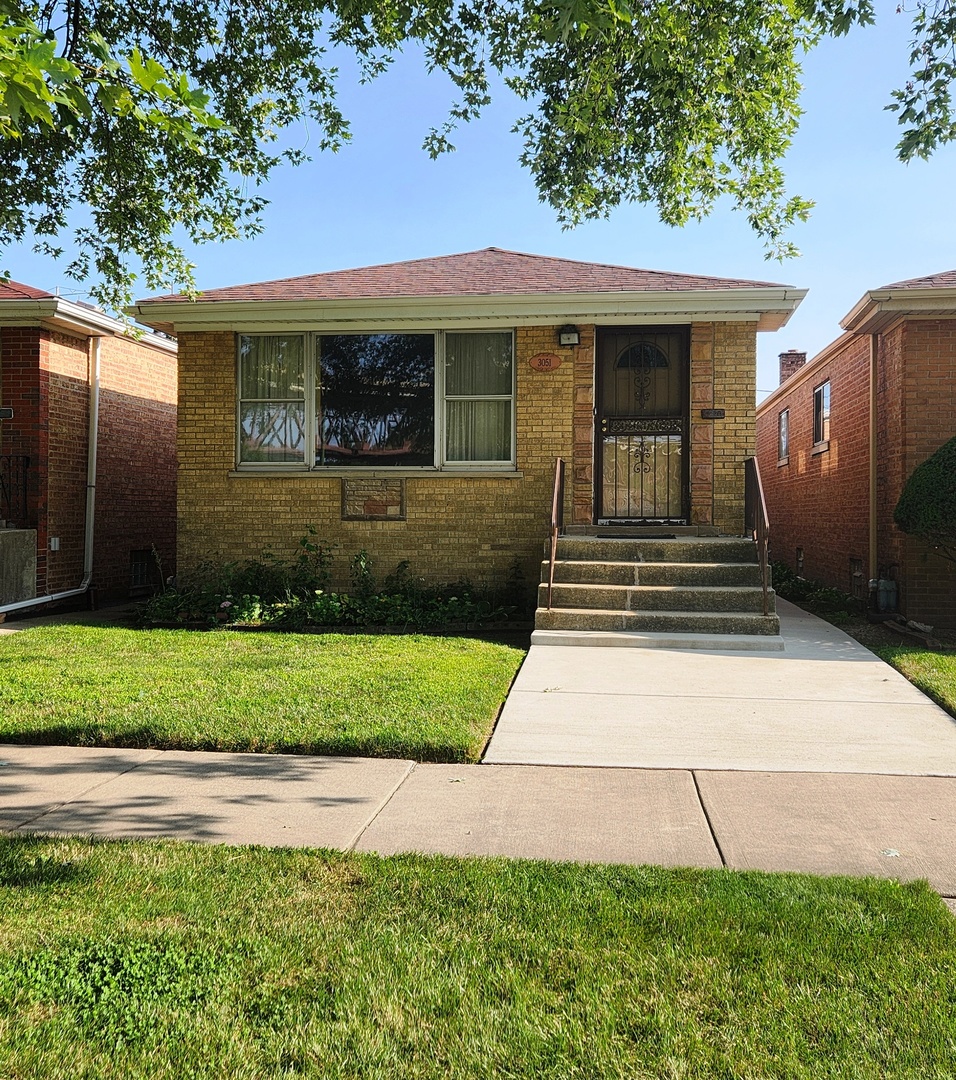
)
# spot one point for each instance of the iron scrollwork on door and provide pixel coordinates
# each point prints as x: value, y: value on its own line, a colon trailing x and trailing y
x: 611, y: 425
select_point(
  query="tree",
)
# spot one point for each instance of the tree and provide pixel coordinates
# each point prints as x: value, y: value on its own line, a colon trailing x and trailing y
x: 927, y: 506
x: 164, y: 118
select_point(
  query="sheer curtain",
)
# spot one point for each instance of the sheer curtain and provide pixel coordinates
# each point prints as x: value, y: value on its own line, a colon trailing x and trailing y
x: 272, y: 398
x: 479, y: 381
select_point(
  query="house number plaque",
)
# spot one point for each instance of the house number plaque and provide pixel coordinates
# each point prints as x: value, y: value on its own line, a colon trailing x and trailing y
x: 545, y: 362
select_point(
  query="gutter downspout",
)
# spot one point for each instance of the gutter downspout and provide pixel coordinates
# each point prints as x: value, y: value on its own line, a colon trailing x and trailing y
x: 90, y: 496
x: 874, y: 354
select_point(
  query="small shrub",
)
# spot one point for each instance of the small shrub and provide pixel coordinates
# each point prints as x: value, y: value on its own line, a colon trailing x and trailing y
x: 291, y: 595
x: 927, y: 506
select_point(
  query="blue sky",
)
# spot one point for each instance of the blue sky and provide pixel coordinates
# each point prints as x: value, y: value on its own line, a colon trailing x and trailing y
x: 381, y: 199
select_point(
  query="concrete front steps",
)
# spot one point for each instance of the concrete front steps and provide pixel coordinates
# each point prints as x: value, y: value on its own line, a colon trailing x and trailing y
x: 679, y: 591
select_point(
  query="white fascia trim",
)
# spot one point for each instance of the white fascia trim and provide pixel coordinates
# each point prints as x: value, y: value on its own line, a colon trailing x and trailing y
x: 56, y: 313
x: 875, y: 309
x: 770, y: 308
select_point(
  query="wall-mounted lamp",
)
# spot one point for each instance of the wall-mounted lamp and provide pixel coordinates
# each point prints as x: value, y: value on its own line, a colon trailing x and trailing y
x: 569, y: 335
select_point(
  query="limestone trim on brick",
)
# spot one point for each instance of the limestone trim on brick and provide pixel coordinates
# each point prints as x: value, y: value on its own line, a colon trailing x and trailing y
x: 509, y: 473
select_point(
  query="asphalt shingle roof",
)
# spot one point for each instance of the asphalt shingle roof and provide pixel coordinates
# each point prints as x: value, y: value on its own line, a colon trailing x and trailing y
x: 488, y: 272
x: 946, y: 279
x: 14, y: 290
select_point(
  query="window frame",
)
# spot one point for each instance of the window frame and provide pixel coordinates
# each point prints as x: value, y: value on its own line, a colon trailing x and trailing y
x: 312, y: 375
x: 783, y: 436
x: 821, y: 415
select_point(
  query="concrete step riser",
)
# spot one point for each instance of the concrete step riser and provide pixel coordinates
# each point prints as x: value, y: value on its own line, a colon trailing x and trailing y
x: 656, y: 622
x: 648, y: 598
x: 636, y: 573
x: 593, y: 549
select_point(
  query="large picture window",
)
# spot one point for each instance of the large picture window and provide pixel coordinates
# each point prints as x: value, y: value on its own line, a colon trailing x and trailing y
x: 377, y: 400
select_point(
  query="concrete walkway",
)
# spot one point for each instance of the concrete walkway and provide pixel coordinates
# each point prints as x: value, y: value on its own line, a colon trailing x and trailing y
x: 823, y: 704
x: 832, y: 764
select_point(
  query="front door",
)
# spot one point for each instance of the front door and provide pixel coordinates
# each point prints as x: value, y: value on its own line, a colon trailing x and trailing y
x: 642, y: 422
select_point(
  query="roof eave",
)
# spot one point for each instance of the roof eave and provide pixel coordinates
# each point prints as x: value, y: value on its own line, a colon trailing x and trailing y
x: 770, y: 308
x: 879, y: 308
x: 56, y: 313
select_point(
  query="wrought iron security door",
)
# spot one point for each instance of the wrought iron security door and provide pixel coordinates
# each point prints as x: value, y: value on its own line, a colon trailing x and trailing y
x: 642, y: 425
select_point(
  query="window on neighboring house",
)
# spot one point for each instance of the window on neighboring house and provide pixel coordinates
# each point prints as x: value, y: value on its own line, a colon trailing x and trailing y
x: 821, y: 414
x: 783, y: 435
x: 377, y: 400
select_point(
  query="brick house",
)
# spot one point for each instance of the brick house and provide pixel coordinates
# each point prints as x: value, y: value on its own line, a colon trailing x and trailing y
x: 840, y: 436
x: 83, y: 393
x: 416, y: 409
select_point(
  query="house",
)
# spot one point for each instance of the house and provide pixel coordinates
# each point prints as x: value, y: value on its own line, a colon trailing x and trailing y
x: 416, y: 409
x: 87, y: 452
x: 840, y: 436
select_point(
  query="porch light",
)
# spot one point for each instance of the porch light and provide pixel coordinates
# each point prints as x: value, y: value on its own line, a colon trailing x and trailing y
x: 569, y: 335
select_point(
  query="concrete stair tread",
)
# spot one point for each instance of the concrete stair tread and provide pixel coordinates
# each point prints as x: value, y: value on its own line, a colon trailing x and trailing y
x: 704, y: 567
x: 658, y: 588
x: 655, y: 639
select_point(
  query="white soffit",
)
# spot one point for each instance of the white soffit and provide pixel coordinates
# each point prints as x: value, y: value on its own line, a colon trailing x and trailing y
x: 769, y: 308
x: 55, y: 313
x: 880, y: 308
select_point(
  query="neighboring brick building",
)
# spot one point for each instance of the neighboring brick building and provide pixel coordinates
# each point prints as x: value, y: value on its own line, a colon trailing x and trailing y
x: 898, y: 358
x: 416, y: 409
x: 59, y: 360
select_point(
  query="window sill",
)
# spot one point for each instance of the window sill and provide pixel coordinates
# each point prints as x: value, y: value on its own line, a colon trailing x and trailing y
x: 820, y: 448
x: 502, y: 473
x: 783, y: 461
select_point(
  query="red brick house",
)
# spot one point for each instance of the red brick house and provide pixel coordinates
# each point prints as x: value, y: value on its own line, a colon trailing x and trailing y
x: 416, y: 409
x: 841, y: 435
x: 87, y: 452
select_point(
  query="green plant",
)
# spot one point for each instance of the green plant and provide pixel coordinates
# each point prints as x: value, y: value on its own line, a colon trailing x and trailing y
x: 927, y: 505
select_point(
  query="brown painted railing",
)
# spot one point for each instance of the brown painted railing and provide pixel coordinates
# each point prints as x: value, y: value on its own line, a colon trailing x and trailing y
x: 557, y: 520
x: 757, y: 523
x: 13, y: 488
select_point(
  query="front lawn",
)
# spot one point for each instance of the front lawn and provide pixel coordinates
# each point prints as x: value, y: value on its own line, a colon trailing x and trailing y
x: 427, y: 698
x: 934, y: 672
x: 167, y: 961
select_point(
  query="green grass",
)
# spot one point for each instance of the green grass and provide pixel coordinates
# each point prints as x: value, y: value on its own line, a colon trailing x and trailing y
x: 427, y: 698
x: 933, y: 672
x: 164, y: 960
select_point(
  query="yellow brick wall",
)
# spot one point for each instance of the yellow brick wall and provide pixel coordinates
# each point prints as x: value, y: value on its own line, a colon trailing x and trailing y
x: 723, y: 376
x: 456, y: 526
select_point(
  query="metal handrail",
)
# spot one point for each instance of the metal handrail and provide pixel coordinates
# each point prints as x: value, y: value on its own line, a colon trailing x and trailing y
x: 557, y: 520
x: 757, y: 523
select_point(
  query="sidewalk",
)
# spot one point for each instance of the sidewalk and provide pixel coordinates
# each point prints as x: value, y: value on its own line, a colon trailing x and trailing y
x: 795, y: 774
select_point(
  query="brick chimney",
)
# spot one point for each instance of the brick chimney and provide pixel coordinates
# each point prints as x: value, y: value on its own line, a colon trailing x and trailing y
x: 791, y: 361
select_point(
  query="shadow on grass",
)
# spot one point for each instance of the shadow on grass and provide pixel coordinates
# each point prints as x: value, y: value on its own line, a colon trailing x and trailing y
x: 146, y: 738
x: 27, y: 862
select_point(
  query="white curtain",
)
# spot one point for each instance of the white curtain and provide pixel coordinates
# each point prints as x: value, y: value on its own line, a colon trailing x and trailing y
x: 272, y: 398
x: 479, y: 381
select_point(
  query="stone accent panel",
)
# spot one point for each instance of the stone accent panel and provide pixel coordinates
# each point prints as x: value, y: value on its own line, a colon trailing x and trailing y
x: 372, y: 499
